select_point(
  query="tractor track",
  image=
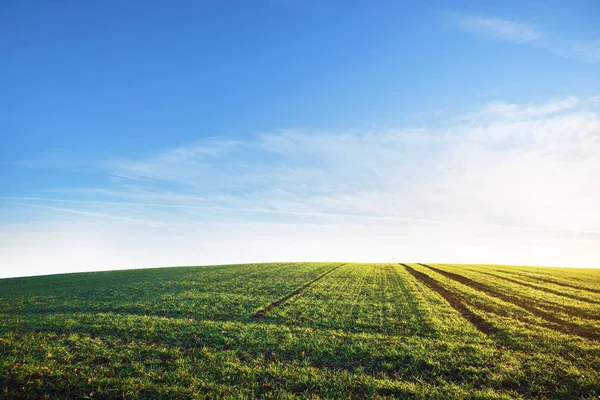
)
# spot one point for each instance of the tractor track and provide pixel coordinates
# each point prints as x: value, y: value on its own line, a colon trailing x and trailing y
x: 547, y: 290
x: 278, y: 302
x: 481, y: 324
x: 553, y: 281
x: 565, y: 325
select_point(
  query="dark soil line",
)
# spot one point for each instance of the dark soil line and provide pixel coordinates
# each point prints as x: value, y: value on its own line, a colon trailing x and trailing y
x: 569, y: 327
x: 549, y: 280
x: 276, y: 303
x: 504, y: 313
x: 548, y: 290
x: 458, y: 305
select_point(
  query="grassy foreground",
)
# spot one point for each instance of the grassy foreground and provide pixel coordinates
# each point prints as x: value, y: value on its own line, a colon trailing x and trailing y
x: 304, y: 330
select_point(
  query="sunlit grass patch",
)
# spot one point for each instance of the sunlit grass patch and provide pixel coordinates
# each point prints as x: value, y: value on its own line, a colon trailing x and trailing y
x: 362, y: 330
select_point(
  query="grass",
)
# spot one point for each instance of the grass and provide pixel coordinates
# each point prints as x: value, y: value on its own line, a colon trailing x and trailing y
x: 303, y: 330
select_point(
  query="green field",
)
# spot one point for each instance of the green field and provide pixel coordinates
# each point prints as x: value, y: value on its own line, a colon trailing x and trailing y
x: 303, y: 330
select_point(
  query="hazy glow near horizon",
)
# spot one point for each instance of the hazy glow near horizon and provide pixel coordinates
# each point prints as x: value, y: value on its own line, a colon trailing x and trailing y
x: 497, y: 182
x: 508, y: 184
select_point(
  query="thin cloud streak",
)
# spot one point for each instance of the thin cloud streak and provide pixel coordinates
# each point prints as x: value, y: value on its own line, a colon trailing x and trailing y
x: 508, y: 183
x: 13, y: 201
x: 499, y: 28
x: 517, y: 32
x: 521, y: 145
x: 97, y: 215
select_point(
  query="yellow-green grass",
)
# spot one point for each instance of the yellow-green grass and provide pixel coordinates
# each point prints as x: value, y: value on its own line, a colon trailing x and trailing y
x: 303, y: 330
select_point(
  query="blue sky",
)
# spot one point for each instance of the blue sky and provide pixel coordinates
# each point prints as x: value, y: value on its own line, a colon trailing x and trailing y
x: 146, y: 133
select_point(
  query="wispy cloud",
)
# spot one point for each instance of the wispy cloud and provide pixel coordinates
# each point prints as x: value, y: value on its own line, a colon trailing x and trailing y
x: 499, y: 28
x: 506, y: 183
x: 525, y: 33
x: 95, y: 215
x: 514, y: 111
x: 402, y: 173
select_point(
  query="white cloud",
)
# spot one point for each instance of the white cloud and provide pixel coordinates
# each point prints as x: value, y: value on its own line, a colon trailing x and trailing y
x: 524, y: 33
x: 511, y: 183
x: 499, y: 28
x: 543, y: 148
x: 511, y: 111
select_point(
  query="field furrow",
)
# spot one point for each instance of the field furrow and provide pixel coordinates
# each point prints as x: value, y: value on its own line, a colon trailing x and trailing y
x: 582, y: 283
x: 278, y: 302
x: 323, y: 330
x: 550, y: 317
x: 583, y: 313
x: 464, y: 311
x: 561, y: 293
x: 372, y: 298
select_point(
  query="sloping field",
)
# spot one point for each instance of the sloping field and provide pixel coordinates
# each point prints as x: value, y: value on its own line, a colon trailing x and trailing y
x: 304, y: 330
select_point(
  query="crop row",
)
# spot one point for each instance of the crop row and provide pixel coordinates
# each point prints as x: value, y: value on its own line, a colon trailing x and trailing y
x: 326, y: 330
x: 575, y: 315
x: 515, y: 323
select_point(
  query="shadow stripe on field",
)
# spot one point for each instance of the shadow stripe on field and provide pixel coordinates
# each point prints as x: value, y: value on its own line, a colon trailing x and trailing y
x: 552, y: 281
x: 477, y: 321
x: 548, y: 290
x: 566, y: 326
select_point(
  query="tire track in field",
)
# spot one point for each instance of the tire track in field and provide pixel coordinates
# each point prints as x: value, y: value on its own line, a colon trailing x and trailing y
x: 278, y: 302
x: 477, y: 321
x: 554, y: 282
x: 547, y: 290
x: 565, y: 325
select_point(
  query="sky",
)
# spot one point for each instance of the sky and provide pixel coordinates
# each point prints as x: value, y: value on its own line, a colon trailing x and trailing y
x: 157, y: 133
